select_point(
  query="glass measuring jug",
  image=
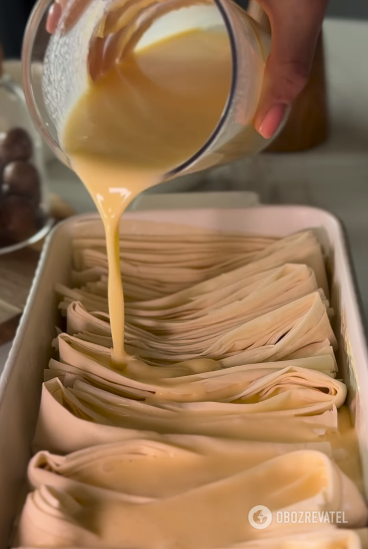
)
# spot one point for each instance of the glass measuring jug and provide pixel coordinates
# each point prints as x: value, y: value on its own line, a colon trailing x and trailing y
x: 58, y: 68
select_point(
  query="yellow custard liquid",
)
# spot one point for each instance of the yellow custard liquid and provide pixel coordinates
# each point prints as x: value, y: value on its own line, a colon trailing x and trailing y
x: 142, y: 119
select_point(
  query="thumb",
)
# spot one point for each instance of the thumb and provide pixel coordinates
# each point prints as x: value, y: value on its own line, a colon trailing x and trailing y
x: 295, y: 27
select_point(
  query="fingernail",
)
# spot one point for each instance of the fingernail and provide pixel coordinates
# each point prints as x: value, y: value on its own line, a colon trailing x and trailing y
x: 53, y: 18
x: 271, y: 122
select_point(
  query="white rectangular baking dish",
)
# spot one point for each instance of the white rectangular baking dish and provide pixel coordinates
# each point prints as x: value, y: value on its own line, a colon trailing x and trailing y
x: 20, y: 384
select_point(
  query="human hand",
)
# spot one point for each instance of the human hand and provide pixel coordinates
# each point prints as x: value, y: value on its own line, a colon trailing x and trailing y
x: 295, y: 27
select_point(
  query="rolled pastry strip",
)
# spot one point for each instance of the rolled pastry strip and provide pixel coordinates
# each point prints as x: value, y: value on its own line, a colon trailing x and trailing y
x: 93, y: 359
x: 71, y: 419
x: 91, y: 299
x: 213, y: 514
x: 210, y: 316
x: 162, y: 267
x: 260, y: 291
x: 299, y: 381
x: 323, y: 539
x: 295, y: 327
x: 277, y: 335
x: 290, y: 391
x: 159, y: 466
x: 107, y: 408
x: 194, y: 334
x: 243, y: 280
x: 172, y: 267
x: 141, y: 234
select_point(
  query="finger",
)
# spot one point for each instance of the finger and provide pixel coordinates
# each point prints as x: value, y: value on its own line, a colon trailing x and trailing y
x: 295, y: 26
x: 75, y: 9
x: 53, y: 18
x: 54, y: 15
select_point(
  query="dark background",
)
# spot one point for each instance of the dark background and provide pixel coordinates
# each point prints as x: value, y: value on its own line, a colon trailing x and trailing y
x: 14, y: 14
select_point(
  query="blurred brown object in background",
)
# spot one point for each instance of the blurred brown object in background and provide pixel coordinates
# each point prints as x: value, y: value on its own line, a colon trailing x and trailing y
x: 307, y: 125
x: 1, y: 60
x: 17, y: 271
x: 59, y: 210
